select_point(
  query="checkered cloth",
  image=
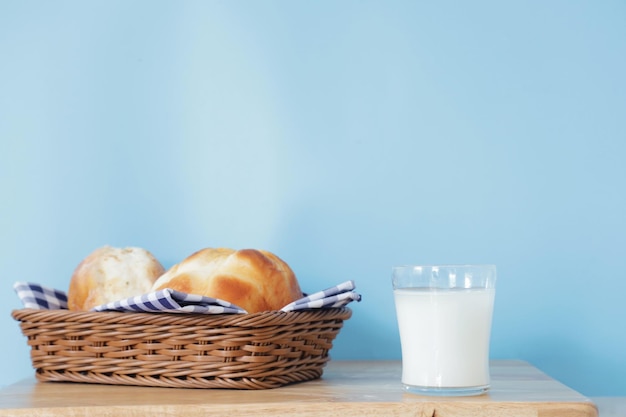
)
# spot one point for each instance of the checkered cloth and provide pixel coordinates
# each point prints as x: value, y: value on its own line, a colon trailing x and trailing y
x: 337, y: 296
x: 172, y: 301
x: 39, y: 297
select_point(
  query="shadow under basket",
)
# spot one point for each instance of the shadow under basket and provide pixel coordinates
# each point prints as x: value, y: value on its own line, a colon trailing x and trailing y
x: 237, y: 351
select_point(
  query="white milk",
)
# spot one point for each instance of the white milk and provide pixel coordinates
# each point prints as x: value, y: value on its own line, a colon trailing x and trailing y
x: 444, y: 335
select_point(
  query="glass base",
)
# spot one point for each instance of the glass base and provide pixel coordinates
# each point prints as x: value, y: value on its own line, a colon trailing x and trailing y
x: 447, y: 391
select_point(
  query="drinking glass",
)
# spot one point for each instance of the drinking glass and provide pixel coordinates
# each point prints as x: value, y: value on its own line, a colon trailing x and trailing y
x: 444, y: 315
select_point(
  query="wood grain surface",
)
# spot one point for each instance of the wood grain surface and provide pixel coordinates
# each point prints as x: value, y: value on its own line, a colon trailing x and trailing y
x: 347, y: 388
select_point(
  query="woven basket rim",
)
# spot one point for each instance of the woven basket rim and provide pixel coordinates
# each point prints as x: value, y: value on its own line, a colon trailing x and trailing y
x: 266, y: 318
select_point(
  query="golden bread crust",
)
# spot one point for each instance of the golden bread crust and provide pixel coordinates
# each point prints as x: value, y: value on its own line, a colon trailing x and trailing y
x: 255, y: 280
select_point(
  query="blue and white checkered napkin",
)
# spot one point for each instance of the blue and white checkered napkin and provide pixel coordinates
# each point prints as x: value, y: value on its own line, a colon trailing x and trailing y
x: 39, y: 297
x: 337, y: 296
x: 168, y: 300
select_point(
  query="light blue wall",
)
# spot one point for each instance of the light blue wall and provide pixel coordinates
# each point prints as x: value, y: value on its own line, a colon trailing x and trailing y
x: 346, y: 136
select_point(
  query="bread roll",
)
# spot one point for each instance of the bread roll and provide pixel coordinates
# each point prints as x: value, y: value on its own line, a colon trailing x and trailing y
x: 111, y: 274
x: 255, y: 280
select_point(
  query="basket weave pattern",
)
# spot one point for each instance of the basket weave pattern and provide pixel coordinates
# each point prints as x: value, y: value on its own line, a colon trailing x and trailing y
x: 242, y: 351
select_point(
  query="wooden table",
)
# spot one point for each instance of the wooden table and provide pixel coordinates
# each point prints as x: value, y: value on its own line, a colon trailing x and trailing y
x: 347, y: 388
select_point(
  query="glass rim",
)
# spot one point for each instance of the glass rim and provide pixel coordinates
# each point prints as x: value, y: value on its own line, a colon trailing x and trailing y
x: 444, y: 266
x: 444, y: 276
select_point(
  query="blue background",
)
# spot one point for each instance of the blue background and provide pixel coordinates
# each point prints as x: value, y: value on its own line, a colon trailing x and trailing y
x: 345, y: 136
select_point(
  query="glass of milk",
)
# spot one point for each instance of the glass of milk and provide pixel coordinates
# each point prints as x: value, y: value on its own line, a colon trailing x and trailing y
x: 444, y: 316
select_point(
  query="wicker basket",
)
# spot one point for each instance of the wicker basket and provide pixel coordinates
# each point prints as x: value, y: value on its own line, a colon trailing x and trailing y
x: 242, y: 351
